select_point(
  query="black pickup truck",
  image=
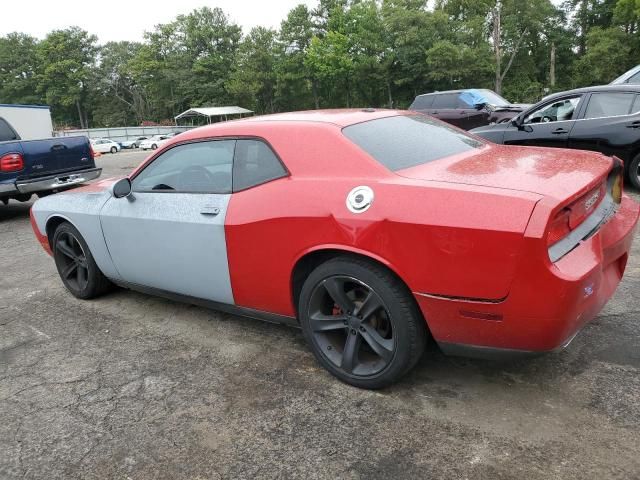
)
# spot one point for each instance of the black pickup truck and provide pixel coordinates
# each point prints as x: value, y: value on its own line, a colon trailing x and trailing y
x: 42, y: 167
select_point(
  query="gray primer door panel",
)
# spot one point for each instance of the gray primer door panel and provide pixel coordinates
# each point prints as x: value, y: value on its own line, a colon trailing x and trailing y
x: 171, y: 241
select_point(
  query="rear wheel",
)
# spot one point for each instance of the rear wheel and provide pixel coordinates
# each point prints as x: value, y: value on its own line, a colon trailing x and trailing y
x: 75, y: 264
x: 361, y: 322
x: 634, y: 172
x: 154, y: 146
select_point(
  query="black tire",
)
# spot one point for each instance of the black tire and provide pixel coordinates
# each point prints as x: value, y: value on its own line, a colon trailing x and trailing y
x: 76, y: 266
x: 114, y: 150
x: 634, y: 172
x: 388, y: 339
x: 154, y: 146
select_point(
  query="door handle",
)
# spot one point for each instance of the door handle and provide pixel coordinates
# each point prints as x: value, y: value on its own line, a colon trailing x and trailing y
x: 213, y: 211
x: 634, y: 125
x: 559, y: 131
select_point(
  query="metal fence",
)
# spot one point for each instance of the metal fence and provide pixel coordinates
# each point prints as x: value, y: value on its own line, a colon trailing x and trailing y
x: 121, y: 134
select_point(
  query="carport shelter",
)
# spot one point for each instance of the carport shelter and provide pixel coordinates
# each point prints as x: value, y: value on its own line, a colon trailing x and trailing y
x: 212, y: 114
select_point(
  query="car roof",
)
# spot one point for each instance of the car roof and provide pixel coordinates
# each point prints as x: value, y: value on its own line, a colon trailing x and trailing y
x: 598, y: 88
x: 338, y: 117
x: 454, y: 91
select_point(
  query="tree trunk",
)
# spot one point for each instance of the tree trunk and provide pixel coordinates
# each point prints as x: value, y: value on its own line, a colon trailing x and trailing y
x: 584, y: 26
x: 80, y: 117
x: 552, y: 67
x: 314, y: 88
x: 389, y: 93
x: 496, y: 47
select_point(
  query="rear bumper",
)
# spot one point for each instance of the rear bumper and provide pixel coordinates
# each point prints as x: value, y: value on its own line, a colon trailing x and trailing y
x: 548, y: 303
x: 52, y: 182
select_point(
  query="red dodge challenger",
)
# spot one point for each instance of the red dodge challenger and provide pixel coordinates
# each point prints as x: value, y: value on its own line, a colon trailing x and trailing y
x: 370, y: 229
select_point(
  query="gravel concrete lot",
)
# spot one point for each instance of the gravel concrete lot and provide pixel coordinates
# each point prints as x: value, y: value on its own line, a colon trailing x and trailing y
x: 131, y: 386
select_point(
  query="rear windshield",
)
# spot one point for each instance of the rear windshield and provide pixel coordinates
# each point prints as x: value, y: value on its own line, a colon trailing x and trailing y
x: 406, y: 141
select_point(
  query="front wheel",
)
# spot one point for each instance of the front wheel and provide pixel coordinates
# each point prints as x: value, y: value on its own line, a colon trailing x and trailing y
x: 114, y: 149
x: 77, y: 268
x: 634, y: 172
x: 361, y: 322
x: 154, y: 146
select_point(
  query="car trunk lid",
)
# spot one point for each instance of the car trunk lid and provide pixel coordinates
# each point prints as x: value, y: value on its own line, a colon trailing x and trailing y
x: 556, y: 173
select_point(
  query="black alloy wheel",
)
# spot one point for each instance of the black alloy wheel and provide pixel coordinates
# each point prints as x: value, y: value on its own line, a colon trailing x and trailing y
x: 76, y: 266
x: 351, y: 325
x: 72, y: 261
x: 361, y: 322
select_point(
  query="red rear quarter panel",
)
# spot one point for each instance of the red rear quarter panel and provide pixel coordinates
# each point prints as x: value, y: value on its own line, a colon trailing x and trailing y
x: 443, y: 239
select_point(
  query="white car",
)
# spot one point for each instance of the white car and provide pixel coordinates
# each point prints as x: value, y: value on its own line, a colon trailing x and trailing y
x: 104, y: 145
x: 133, y: 143
x: 154, y: 142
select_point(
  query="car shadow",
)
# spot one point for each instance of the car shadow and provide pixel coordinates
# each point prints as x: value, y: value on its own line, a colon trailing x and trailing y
x: 14, y: 210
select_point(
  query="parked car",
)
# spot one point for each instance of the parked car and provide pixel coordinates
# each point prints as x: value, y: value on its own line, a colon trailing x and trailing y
x: 104, y: 145
x: 467, y: 109
x: 604, y: 118
x: 154, y: 142
x: 133, y: 143
x: 368, y: 229
x: 42, y: 167
x: 632, y: 76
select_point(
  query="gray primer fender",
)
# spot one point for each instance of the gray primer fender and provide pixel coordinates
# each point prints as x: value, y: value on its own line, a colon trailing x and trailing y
x: 82, y: 210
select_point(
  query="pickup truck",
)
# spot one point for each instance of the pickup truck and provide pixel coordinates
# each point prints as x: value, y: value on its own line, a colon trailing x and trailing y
x: 42, y: 167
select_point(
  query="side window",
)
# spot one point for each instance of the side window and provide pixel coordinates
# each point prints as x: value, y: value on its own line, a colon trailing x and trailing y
x: 609, y: 104
x: 635, y: 79
x: 254, y: 163
x: 447, y: 100
x: 6, y: 132
x: 556, y: 111
x: 202, y: 167
x: 422, y: 102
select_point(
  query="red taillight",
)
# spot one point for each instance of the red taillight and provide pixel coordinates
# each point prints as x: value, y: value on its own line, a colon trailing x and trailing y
x: 559, y: 227
x: 92, y: 154
x: 11, y: 162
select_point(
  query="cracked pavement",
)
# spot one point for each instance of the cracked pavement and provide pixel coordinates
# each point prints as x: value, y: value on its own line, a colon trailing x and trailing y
x: 135, y: 387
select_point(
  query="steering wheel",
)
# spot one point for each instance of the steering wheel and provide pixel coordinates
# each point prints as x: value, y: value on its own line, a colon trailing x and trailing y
x: 547, y: 119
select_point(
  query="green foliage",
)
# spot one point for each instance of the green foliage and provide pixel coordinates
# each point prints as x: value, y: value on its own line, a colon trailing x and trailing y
x: 340, y: 53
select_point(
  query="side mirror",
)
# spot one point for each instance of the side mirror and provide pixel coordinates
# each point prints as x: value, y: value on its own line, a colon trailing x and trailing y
x: 479, y: 106
x: 122, y: 188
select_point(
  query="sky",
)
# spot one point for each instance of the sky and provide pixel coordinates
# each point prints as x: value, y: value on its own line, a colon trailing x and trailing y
x: 113, y: 20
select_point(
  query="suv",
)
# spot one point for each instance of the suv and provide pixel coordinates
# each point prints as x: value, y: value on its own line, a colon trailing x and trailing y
x: 467, y: 109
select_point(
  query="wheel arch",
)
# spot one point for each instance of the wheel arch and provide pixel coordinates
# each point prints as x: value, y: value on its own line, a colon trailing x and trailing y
x: 314, y: 257
x: 52, y: 224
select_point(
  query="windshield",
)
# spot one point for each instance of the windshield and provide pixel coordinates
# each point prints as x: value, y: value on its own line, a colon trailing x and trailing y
x: 408, y: 140
x: 493, y: 98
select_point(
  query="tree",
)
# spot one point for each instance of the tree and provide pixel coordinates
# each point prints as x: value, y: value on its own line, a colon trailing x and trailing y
x: 18, y: 68
x: 253, y: 81
x: 67, y: 59
x: 295, y: 83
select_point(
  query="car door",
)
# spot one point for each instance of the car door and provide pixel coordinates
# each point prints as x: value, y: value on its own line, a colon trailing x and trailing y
x: 610, y: 124
x: 547, y: 125
x: 169, y: 234
x: 445, y: 107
